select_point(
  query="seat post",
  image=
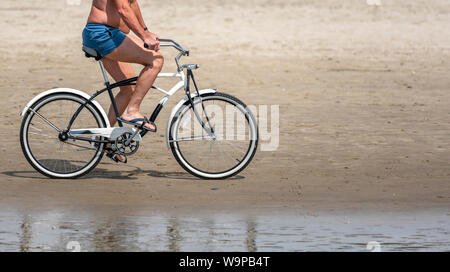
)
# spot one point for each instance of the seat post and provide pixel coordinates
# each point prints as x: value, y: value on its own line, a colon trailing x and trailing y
x: 105, y: 76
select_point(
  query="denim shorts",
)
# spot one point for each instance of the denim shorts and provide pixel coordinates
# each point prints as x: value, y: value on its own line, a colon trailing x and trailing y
x: 102, y: 38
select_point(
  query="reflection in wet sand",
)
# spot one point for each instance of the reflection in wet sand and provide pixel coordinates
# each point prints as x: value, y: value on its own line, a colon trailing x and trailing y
x: 173, y: 234
x: 110, y: 235
x: 251, y: 236
x: 26, y: 236
x: 53, y: 231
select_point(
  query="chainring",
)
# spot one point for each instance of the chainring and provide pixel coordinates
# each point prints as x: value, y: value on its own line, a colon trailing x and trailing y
x: 124, y: 148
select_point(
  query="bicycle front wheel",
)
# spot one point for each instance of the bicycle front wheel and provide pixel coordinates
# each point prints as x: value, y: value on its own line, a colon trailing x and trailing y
x: 41, y: 142
x: 220, y: 148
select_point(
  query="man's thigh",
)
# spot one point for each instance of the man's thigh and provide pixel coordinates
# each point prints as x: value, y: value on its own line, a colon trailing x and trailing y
x: 118, y: 70
x: 132, y: 51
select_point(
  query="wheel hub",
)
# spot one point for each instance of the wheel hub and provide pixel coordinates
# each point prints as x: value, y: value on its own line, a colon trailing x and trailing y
x: 63, y: 136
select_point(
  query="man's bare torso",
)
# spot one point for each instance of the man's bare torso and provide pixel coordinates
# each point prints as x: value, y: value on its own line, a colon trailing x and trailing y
x: 104, y: 12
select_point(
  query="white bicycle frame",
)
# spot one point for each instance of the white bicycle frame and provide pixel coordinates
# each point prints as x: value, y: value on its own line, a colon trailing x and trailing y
x: 115, y: 132
x: 181, y: 84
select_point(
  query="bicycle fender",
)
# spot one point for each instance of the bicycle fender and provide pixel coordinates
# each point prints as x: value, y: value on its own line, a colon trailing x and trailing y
x: 66, y: 90
x: 179, y: 105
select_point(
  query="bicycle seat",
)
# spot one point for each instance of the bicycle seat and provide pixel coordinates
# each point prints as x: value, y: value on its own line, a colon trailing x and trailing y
x: 91, y: 53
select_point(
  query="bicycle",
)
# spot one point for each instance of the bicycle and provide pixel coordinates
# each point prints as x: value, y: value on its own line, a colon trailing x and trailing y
x: 65, y: 132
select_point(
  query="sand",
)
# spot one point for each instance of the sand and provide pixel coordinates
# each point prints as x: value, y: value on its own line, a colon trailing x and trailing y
x: 363, y: 95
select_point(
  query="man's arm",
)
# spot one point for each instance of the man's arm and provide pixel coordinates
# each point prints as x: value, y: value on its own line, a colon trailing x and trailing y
x: 128, y: 15
x: 137, y: 11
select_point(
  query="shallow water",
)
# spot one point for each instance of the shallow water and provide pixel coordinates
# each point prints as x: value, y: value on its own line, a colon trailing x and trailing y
x: 85, y: 231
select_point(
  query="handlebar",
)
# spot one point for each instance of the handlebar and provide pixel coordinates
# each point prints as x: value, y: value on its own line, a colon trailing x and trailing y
x: 179, y: 47
x: 170, y: 42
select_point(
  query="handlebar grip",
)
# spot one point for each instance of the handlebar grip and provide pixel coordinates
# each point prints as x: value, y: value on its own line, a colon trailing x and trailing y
x: 147, y: 46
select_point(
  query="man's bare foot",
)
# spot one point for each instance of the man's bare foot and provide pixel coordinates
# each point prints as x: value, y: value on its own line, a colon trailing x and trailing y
x: 128, y: 117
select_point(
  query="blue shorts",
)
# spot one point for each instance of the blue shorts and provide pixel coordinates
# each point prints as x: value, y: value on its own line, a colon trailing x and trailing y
x: 102, y: 38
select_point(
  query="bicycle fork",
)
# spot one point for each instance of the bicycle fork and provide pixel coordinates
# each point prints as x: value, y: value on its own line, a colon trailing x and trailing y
x: 210, y: 129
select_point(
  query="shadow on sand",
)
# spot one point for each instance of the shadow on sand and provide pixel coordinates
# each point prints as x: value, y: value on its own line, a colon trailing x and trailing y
x: 102, y: 173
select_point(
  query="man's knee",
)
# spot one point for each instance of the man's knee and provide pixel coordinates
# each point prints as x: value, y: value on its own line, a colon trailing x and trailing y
x: 158, y: 61
x: 155, y: 61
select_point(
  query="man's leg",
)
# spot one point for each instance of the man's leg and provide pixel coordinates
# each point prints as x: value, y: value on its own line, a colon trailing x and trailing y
x: 119, y: 71
x: 132, y: 51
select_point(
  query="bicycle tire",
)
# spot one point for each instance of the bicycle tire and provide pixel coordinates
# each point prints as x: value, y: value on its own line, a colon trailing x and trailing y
x: 25, y: 145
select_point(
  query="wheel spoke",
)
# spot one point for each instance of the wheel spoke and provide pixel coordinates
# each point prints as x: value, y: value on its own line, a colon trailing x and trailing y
x: 82, y: 148
x: 45, y: 120
x: 234, y: 147
x: 226, y: 152
x: 186, y: 139
x: 41, y: 134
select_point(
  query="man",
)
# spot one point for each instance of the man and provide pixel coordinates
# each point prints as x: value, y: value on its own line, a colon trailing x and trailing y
x: 106, y: 31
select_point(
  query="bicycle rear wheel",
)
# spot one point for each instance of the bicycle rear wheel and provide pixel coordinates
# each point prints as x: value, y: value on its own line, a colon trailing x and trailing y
x: 41, y: 142
x: 224, y: 152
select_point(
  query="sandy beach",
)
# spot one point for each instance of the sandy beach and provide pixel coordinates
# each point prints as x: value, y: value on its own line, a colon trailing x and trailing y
x: 363, y: 95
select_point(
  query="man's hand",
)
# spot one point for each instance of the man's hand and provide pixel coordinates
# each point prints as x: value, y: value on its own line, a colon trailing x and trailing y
x: 151, y: 40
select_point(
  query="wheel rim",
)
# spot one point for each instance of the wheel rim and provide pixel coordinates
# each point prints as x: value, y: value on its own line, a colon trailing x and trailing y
x: 223, y: 156
x: 46, y: 150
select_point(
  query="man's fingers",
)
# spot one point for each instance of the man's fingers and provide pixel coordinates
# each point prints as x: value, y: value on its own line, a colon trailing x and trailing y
x: 156, y: 45
x: 152, y: 44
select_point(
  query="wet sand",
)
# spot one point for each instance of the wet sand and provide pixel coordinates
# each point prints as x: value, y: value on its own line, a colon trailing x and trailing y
x: 362, y: 94
x: 60, y: 230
